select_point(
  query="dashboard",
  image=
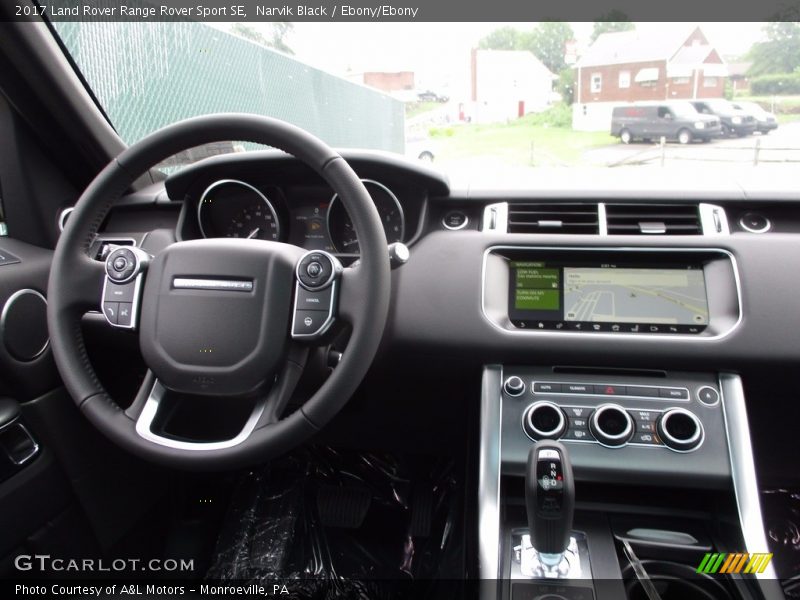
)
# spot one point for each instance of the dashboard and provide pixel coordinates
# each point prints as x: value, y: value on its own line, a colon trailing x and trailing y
x: 641, y: 270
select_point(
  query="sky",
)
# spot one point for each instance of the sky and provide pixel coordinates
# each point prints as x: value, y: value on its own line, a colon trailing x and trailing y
x: 436, y: 47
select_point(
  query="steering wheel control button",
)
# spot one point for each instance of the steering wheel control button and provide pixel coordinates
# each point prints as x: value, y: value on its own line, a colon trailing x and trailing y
x: 317, y: 269
x: 116, y: 292
x: 611, y: 425
x: 708, y: 395
x: 514, y: 386
x: 680, y: 430
x: 309, y: 322
x: 125, y: 314
x: 111, y: 310
x: 455, y: 220
x: 314, y: 300
x: 314, y: 270
x: 544, y: 421
x: 122, y: 265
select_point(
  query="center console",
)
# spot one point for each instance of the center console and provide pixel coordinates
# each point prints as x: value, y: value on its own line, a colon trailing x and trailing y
x: 663, y: 475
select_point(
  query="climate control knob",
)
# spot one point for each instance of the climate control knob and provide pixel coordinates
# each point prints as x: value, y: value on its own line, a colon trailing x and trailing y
x: 680, y: 429
x: 611, y: 425
x: 514, y: 386
x: 544, y: 421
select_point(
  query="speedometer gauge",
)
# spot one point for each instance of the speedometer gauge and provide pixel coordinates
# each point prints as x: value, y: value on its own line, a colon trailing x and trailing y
x: 340, y: 227
x: 231, y: 208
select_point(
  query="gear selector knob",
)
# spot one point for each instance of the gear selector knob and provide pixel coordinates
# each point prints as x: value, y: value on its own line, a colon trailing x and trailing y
x: 549, y: 497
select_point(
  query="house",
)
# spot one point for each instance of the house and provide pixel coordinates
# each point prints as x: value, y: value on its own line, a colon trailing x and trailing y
x: 630, y: 66
x: 389, y: 82
x: 737, y: 73
x: 506, y: 84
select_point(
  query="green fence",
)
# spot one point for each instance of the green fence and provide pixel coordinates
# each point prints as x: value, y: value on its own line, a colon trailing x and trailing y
x: 147, y: 75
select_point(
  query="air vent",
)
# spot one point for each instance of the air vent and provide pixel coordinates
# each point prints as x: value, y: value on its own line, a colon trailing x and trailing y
x: 552, y: 218
x: 653, y: 219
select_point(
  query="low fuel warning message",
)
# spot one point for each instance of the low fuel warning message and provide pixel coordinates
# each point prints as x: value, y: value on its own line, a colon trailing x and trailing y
x: 537, y: 287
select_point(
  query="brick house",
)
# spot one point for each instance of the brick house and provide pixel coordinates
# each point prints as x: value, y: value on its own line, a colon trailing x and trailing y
x: 627, y: 67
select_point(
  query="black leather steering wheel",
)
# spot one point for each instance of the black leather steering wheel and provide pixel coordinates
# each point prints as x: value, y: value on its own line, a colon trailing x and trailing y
x: 217, y: 338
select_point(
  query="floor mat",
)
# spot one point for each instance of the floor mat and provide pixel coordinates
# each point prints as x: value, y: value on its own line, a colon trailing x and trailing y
x: 376, y: 532
x: 781, y: 510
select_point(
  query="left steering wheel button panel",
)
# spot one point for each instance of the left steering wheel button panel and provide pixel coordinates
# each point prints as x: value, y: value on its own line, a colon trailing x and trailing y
x: 123, y: 282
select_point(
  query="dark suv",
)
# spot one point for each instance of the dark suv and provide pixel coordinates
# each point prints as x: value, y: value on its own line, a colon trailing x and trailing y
x: 671, y: 120
x: 733, y: 121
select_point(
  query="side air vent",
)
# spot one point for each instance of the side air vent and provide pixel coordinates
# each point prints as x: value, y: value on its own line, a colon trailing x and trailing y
x: 559, y: 217
x: 653, y: 219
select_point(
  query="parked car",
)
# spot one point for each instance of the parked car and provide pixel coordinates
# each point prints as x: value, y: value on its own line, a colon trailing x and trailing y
x: 733, y: 121
x: 421, y: 148
x: 765, y: 120
x: 671, y: 120
x: 429, y: 96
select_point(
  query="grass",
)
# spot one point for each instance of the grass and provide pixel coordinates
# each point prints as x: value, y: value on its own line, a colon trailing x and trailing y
x: 520, y: 142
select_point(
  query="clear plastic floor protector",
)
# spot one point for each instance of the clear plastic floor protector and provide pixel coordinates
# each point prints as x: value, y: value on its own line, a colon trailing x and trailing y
x: 781, y: 510
x: 411, y: 531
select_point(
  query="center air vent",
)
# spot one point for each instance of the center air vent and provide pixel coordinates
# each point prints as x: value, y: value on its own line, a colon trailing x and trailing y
x: 552, y: 218
x: 653, y: 219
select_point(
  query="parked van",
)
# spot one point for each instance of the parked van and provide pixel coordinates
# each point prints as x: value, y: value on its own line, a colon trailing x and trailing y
x: 733, y: 120
x: 652, y: 120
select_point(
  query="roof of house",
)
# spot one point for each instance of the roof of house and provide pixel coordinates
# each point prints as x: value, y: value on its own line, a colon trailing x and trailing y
x: 692, y: 55
x: 634, y: 46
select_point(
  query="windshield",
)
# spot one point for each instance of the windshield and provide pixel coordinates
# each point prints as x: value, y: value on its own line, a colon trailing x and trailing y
x: 480, y: 98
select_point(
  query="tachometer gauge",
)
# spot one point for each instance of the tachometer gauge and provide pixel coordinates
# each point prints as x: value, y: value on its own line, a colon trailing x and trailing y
x: 231, y: 208
x: 340, y: 227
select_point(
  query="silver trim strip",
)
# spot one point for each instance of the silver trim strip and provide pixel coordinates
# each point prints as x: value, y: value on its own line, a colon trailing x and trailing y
x: 713, y: 220
x: 243, y: 184
x: 495, y: 218
x: 743, y: 470
x: 645, y: 336
x: 16, y: 422
x: 145, y: 422
x: 7, y: 306
x: 626, y: 385
x: 233, y: 285
x: 489, y: 473
x: 602, y: 219
x: 63, y: 216
x: 382, y: 187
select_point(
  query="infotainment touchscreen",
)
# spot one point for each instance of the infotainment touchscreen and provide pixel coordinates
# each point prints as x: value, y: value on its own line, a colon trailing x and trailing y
x: 608, y: 297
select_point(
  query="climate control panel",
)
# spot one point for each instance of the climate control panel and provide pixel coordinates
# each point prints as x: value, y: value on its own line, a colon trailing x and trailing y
x: 618, y: 421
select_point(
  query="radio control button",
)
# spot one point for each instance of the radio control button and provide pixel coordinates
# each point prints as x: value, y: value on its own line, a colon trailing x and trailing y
x: 611, y: 425
x: 680, y: 429
x: 544, y: 421
x: 611, y: 390
x: 514, y: 386
x: 577, y: 388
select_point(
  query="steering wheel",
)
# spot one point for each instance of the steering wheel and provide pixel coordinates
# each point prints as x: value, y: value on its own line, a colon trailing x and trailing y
x: 218, y: 317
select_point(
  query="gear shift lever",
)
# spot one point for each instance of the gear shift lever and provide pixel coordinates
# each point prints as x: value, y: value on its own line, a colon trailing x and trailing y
x: 549, y: 500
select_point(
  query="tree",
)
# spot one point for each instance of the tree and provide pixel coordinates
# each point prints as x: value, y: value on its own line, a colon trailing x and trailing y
x: 779, y: 53
x: 505, y: 38
x: 611, y: 22
x: 277, y: 35
x: 566, y: 85
x: 547, y: 41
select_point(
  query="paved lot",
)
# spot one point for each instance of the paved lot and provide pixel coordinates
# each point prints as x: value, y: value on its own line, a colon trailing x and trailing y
x: 782, y: 145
